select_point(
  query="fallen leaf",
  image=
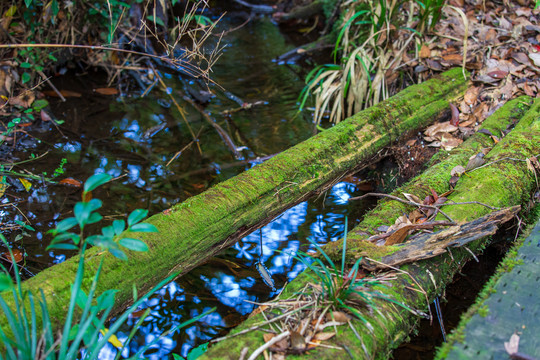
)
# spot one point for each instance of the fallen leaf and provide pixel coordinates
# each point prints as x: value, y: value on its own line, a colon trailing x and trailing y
x: 45, y: 116
x: 338, y: 316
x: 24, y: 100
x: 107, y: 91
x: 425, y: 52
x: 449, y: 142
x: 475, y: 161
x: 455, y: 115
x: 70, y: 181
x: 440, y: 127
x: 323, y: 336
x: 18, y: 256
x: 398, y: 236
x: 27, y: 184
x: 471, y: 96
x: 457, y: 170
x: 535, y: 57
x: 268, y: 336
x: 297, y: 341
x: 498, y: 74
x: 453, y: 181
x: 512, y: 346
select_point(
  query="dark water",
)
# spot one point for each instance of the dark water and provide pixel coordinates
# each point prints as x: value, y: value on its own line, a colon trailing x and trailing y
x: 133, y: 138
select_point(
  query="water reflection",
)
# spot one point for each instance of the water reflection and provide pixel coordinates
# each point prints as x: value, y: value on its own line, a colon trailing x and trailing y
x: 231, y: 283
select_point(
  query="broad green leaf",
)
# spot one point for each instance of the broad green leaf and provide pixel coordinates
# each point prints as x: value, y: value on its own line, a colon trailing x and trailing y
x: 197, y: 352
x: 136, y: 216
x: 81, y: 299
x: 94, y: 218
x: 108, y: 232
x: 143, y: 227
x: 96, y: 180
x: 177, y: 357
x: 118, y: 253
x: 119, y: 226
x: 65, y: 236
x: 5, y: 282
x: 106, y: 300
x: 39, y: 104
x: 83, y: 211
x: 66, y: 224
x: 133, y: 244
x: 101, y: 241
x: 25, y: 65
x: 63, y: 247
x: 25, y: 77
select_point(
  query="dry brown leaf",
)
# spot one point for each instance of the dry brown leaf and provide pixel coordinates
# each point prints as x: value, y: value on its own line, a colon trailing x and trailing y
x: 440, y: 127
x: 24, y: 100
x: 425, y: 52
x: 535, y: 57
x: 268, y: 336
x: 398, y: 236
x: 471, y: 96
x: 323, y: 336
x: 297, y: 341
x: 457, y: 170
x: 449, y: 142
x: 338, y: 316
x: 107, y: 91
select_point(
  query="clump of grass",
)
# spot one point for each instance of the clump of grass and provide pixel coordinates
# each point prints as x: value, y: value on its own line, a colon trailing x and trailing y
x: 368, y: 51
x: 341, y: 288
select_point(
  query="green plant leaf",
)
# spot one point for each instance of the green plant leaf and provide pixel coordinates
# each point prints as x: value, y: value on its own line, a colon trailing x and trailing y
x: 108, y: 232
x: 106, y: 300
x: 39, y: 104
x: 25, y: 77
x: 143, y: 227
x: 118, y: 254
x: 177, y: 357
x: 63, y: 247
x: 5, y: 282
x: 94, y: 218
x: 136, y: 216
x: 66, y: 224
x: 101, y: 241
x: 25, y: 65
x: 83, y: 211
x: 119, y: 226
x: 133, y: 244
x: 197, y: 352
x: 96, y: 180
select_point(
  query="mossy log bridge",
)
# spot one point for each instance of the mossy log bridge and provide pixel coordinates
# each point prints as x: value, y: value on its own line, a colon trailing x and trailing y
x: 504, y: 182
x: 192, y: 232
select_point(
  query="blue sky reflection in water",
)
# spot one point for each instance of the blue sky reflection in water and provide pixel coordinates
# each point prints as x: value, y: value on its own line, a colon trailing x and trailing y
x: 230, y: 282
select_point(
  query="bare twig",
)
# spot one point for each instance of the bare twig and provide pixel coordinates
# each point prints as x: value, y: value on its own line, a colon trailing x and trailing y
x: 273, y: 341
x: 408, y: 202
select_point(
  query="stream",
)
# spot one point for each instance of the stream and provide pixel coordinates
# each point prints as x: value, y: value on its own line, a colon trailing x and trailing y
x: 144, y: 143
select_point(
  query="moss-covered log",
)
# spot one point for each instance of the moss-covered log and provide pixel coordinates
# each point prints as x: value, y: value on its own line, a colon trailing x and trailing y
x: 503, y: 183
x: 202, y: 226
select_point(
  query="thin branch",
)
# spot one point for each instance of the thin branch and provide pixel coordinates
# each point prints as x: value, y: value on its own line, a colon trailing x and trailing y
x: 273, y: 341
x: 408, y: 202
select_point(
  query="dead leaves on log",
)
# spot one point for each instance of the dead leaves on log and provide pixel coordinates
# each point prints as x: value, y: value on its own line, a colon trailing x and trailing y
x: 425, y: 246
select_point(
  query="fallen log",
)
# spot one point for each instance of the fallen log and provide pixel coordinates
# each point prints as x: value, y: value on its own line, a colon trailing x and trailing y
x: 199, y: 228
x: 415, y: 285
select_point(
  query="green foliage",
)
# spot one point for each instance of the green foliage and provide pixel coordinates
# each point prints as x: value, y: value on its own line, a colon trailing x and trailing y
x: 368, y: 44
x: 86, y: 213
x: 31, y: 334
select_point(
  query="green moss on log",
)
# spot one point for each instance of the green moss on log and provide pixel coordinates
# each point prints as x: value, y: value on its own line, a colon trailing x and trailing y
x: 389, y: 324
x: 204, y: 225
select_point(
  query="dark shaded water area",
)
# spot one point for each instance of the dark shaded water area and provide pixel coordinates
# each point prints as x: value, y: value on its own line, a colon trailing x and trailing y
x: 134, y: 139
